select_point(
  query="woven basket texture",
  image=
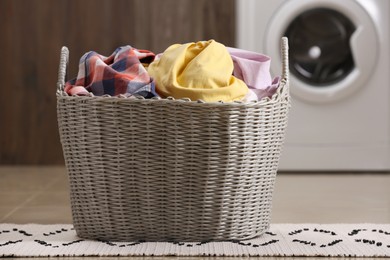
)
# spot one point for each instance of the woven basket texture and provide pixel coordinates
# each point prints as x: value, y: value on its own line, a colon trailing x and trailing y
x: 171, y: 170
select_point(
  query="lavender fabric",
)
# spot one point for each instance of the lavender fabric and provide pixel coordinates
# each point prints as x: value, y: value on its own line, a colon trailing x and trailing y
x: 254, y: 69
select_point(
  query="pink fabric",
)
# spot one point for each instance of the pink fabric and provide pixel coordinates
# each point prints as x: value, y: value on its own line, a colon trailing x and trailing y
x: 254, y: 69
x: 268, y: 91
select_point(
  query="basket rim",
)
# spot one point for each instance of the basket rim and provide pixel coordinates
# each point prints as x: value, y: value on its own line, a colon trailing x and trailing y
x: 280, y: 95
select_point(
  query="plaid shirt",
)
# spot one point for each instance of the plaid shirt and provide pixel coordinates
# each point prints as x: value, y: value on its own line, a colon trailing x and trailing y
x: 121, y: 73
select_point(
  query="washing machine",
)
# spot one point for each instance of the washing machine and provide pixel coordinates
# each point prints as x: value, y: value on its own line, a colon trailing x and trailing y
x: 339, y: 78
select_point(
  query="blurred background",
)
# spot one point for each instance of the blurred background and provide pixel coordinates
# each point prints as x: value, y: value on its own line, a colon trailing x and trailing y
x: 339, y: 83
x: 339, y: 78
x: 32, y: 33
x: 339, y: 64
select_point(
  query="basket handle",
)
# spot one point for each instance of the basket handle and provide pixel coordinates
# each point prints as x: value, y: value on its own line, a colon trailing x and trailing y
x: 64, y: 58
x: 284, y: 92
x: 284, y: 49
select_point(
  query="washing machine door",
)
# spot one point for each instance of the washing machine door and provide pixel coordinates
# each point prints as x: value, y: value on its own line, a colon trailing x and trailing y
x: 333, y: 47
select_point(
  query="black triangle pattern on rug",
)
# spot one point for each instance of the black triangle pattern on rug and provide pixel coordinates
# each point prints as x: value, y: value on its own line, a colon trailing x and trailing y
x: 357, y: 240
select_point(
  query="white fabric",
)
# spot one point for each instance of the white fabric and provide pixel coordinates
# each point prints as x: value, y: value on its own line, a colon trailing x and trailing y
x: 250, y: 96
x: 356, y: 240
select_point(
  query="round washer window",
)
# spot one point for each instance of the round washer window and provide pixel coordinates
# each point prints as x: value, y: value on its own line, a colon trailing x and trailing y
x: 320, y: 53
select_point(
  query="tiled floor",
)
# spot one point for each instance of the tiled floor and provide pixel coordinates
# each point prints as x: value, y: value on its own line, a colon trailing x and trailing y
x: 40, y: 195
x: 34, y: 195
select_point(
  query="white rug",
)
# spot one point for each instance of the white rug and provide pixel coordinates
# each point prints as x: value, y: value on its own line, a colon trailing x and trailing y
x: 282, y: 240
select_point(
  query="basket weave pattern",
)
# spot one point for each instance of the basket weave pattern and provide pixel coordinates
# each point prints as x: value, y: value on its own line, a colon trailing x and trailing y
x: 166, y: 169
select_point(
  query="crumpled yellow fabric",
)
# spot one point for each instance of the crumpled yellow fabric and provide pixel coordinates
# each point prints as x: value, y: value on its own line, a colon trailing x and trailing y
x: 201, y: 70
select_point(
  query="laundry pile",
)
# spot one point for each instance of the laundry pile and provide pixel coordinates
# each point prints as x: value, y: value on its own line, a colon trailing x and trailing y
x: 205, y: 70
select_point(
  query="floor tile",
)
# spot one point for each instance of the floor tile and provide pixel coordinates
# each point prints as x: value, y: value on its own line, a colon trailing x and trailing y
x: 332, y: 198
x: 40, y: 215
x: 59, y: 185
x: 21, y: 179
x: 13, y: 199
x: 50, y: 199
x: 5, y: 211
x: 41, y: 195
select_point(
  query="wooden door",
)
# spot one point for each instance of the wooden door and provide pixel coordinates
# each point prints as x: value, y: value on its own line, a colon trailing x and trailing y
x: 33, y: 31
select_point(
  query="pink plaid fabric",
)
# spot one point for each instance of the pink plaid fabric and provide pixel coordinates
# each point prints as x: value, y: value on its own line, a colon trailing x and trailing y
x: 121, y: 73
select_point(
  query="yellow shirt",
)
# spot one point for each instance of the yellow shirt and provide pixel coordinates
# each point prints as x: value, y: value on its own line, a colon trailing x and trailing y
x: 201, y: 70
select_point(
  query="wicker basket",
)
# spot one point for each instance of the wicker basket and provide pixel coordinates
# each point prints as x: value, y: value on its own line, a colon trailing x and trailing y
x: 165, y: 170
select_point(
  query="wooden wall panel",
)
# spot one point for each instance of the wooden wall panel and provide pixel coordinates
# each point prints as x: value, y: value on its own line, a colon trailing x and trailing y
x: 33, y: 31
